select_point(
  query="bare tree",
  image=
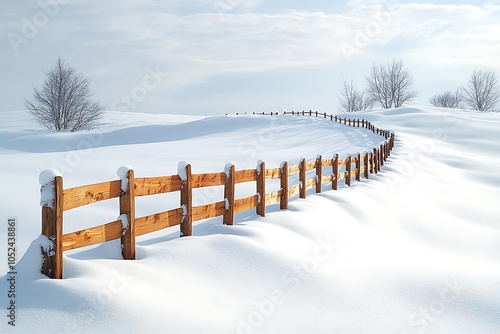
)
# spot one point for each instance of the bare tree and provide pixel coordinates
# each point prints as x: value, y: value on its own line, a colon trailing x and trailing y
x: 352, y: 100
x: 63, y: 103
x: 448, y: 99
x: 482, y: 92
x: 390, y: 85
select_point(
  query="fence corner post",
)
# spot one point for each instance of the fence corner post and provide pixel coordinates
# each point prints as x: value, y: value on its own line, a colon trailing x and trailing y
x: 52, y: 221
x: 186, y: 199
x: 228, y: 218
x: 127, y: 212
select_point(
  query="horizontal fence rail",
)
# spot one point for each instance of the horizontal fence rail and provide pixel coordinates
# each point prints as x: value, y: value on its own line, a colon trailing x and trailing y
x: 127, y: 227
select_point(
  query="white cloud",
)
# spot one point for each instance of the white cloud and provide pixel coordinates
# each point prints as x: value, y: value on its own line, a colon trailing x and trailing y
x: 114, y: 42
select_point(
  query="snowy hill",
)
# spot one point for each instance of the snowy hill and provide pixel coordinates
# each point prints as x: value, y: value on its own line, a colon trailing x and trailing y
x: 413, y: 249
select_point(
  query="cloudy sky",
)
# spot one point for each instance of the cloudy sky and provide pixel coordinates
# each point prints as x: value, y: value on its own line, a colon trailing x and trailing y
x: 227, y: 56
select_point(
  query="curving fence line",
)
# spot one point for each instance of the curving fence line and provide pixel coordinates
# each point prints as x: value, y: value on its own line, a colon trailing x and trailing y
x: 127, y: 227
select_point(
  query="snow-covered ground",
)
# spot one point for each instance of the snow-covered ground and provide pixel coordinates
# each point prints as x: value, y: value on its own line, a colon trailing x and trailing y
x: 414, y: 249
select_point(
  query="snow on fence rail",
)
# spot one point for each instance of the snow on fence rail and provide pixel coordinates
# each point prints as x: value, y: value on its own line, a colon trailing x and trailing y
x: 127, y: 227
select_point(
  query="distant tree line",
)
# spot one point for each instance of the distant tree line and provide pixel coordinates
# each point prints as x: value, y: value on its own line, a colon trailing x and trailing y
x: 390, y: 86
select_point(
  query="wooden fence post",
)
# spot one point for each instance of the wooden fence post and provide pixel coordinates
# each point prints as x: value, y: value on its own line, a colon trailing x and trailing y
x: 371, y: 163
x: 228, y: 218
x: 284, y: 186
x: 335, y: 172
x: 302, y: 178
x: 261, y: 189
x: 375, y: 160
x: 367, y: 165
x: 358, y: 167
x: 382, y: 158
x: 127, y: 207
x: 348, y: 170
x: 187, y: 203
x: 52, y: 220
x: 319, y: 174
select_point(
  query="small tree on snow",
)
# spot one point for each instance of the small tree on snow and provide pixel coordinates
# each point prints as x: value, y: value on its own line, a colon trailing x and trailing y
x: 352, y: 100
x: 64, y: 101
x: 447, y: 100
x: 482, y: 92
x: 390, y: 85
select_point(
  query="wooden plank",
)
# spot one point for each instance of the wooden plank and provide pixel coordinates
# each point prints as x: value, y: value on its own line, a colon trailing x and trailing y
x: 342, y: 162
x: 127, y: 207
x: 94, y: 235
x: 83, y: 195
x: 327, y: 162
x: 261, y: 189
x: 209, y: 210
x: 294, y: 191
x: 326, y: 179
x: 311, y: 165
x: 284, y: 186
x: 158, y: 221
x: 247, y: 203
x: 246, y: 175
x: 187, y: 204
x: 145, y: 186
x: 273, y: 197
x: 273, y: 173
x: 311, y: 183
x: 294, y: 169
x: 354, y: 173
x: 229, y: 187
x: 208, y: 180
x: 52, y: 226
x: 302, y: 178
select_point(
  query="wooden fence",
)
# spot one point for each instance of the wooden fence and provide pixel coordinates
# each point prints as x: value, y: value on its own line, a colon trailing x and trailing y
x: 128, y: 227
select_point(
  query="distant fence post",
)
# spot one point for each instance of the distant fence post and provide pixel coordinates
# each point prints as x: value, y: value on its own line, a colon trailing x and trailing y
x: 284, y: 186
x: 127, y: 207
x: 187, y: 203
x: 261, y: 189
x: 335, y: 172
x: 348, y: 171
x: 381, y: 152
x: 228, y: 218
x: 52, y: 220
x: 319, y: 173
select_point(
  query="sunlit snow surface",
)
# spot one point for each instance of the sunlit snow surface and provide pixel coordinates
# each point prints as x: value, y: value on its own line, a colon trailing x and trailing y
x: 413, y: 249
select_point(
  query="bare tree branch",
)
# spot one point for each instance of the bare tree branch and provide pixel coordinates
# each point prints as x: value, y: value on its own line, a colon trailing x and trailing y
x: 447, y: 100
x: 390, y: 85
x: 63, y: 103
x: 352, y: 100
x: 482, y: 92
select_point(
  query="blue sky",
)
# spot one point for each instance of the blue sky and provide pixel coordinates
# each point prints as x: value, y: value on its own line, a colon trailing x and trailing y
x: 228, y: 56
